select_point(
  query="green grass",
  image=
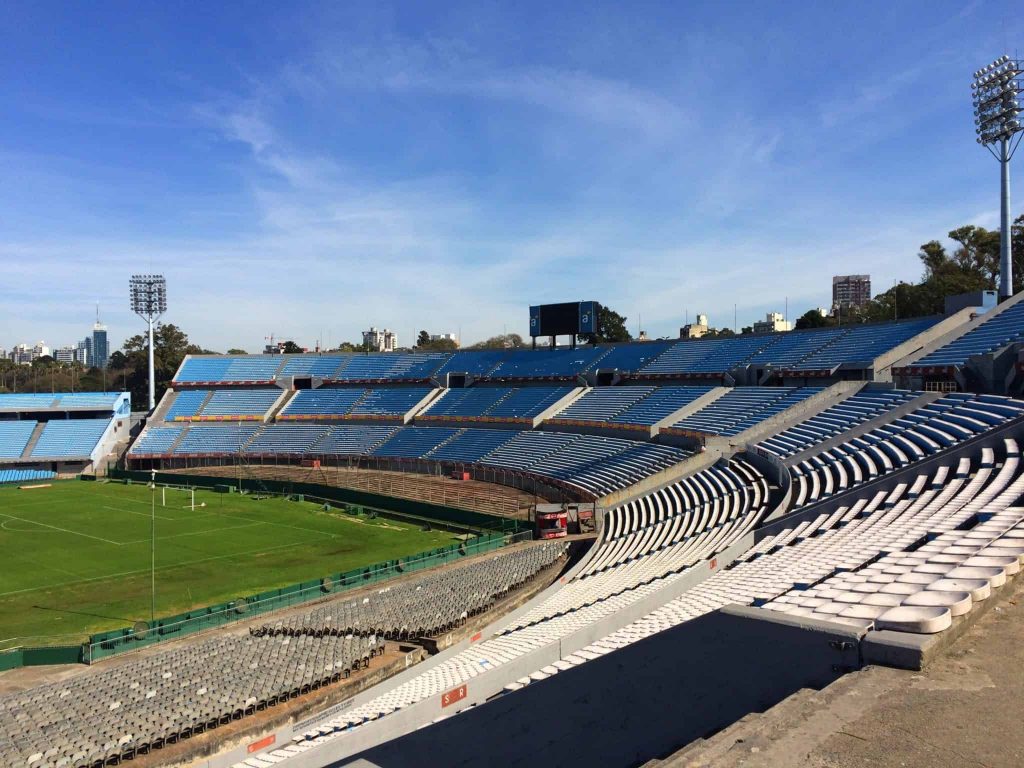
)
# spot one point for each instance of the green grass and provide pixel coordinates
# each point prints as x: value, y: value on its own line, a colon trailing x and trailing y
x: 76, y: 556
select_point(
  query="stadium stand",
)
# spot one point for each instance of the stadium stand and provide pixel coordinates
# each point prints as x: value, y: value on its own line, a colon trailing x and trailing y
x: 390, y: 367
x: 629, y: 358
x: 523, y: 403
x: 321, y: 403
x: 71, y: 438
x: 602, y: 404
x: 222, y: 404
x: 211, y: 439
x: 157, y: 440
x: 835, y: 420
x: 255, y: 369
x: 389, y: 402
x: 1005, y: 328
x: 465, y: 403
x: 471, y: 445
x: 320, y: 366
x: 539, y: 365
x: 117, y: 713
x: 14, y: 437
x: 414, y: 442
x: 862, y: 343
x: 740, y: 409
x: 354, y: 440
x: 287, y: 438
x: 23, y: 475
x: 660, y: 404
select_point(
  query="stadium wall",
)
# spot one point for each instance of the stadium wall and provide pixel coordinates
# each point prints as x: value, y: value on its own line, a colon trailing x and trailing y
x: 660, y: 693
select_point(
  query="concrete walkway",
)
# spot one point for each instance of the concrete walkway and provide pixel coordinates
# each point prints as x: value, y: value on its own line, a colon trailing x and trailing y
x: 965, y: 709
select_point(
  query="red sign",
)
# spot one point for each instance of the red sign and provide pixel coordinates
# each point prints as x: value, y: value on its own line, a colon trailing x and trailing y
x: 263, y: 743
x: 714, y: 562
x: 450, y: 697
x: 476, y: 637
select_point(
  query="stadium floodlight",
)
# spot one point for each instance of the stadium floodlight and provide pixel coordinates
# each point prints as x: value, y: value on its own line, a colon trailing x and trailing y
x: 997, y: 90
x: 149, y: 301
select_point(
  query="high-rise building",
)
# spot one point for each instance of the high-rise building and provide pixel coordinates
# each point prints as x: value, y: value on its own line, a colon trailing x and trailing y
x: 83, y: 351
x: 99, y: 352
x: 380, y: 341
x: 695, y: 330
x: 851, y: 291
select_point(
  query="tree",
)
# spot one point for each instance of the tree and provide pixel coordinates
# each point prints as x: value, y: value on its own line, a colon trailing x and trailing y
x: 170, y: 345
x: 503, y: 341
x: 348, y: 346
x: 117, y: 360
x: 812, y: 318
x: 423, y: 339
x: 291, y: 348
x: 237, y: 352
x: 611, y: 326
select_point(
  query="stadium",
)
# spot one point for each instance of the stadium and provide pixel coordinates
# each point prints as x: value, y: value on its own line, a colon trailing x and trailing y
x: 781, y: 492
x: 794, y: 541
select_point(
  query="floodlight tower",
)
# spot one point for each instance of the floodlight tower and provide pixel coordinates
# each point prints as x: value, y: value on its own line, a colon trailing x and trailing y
x: 997, y: 110
x: 149, y: 301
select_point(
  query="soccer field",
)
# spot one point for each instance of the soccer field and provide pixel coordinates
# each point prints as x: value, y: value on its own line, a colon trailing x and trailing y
x: 76, y: 556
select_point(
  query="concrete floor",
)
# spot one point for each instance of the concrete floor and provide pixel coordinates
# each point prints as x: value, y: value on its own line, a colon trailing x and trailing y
x: 965, y: 709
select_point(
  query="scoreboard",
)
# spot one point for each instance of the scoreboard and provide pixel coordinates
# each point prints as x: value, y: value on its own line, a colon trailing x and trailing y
x: 566, y: 319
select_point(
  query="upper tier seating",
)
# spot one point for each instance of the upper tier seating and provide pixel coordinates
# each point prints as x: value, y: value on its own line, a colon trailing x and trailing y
x: 1005, y: 328
x: 156, y: 440
x: 28, y: 401
x: 476, y: 362
x: 210, y: 369
x: 186, y: 404
x: 792, y: 347
x: 393, y: 365
x: 686, y: 356
x: 741, y: 408
x: 547, y: 363
x: 835, y: 420
x: 69, y: 438
x: 321, y: 366
x: 630, y: 358
x: 863, y: 343
x: 101, y: 401
x: 14, y: 437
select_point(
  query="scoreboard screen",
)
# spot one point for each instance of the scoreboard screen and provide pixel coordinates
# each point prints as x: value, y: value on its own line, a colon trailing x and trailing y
x: 566, y: 319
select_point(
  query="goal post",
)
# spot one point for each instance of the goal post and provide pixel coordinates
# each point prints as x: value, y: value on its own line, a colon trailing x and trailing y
x: 190, y: 504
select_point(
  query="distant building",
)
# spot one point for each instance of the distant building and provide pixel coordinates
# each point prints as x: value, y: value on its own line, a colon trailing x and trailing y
x: 83, y: 351
x: 445, y: 337
x: 380, y: 340
x: 99, y: 351
x: 695, y: 330
x: 65, y: 354
x: 23, y: 354
x: 773, y: 322
x: 850, y: 291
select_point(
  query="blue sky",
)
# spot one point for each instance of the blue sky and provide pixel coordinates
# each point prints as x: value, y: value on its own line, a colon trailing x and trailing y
x: 309, y: 170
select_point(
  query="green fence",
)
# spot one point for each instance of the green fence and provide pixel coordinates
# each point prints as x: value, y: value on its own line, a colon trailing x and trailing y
x: 34, y: 657
x: 106, y: 644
